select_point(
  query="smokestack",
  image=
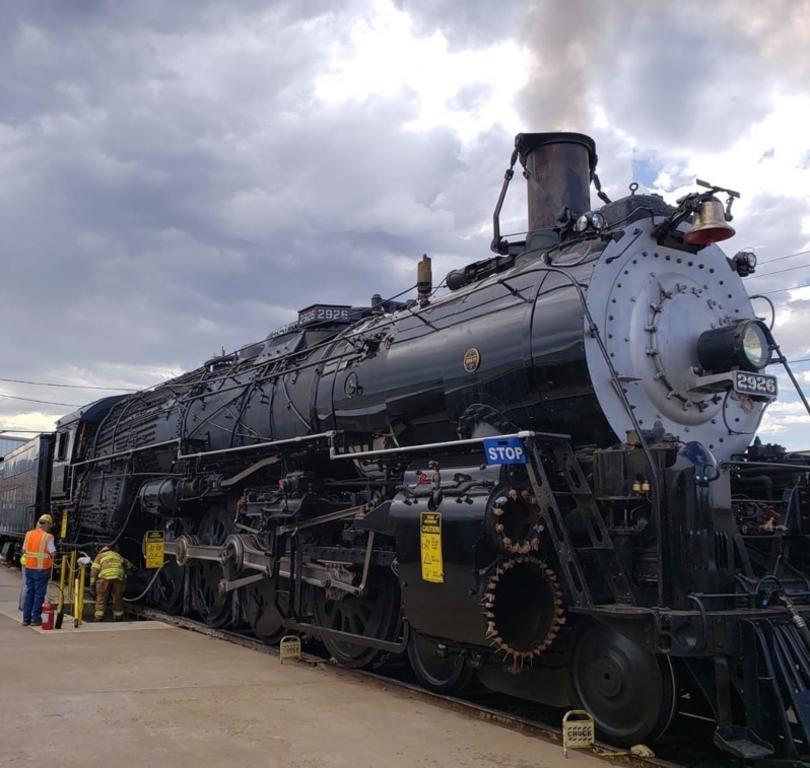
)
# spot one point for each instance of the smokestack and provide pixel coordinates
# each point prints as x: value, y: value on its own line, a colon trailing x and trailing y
x: 559, y: 168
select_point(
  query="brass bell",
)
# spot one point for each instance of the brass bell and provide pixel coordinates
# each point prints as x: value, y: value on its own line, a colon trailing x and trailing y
x: 709, y: 224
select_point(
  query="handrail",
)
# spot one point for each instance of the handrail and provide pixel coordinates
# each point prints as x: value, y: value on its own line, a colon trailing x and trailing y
x: 200, y: 454
x: 333, y: 454
x: 258, y: 446
x: 782, y: 359
x: 655, y: 496
x: 128, y: 452
x: 67, y: 570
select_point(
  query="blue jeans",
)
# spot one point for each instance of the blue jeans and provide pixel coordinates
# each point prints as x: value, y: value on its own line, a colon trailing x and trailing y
x: 36, y: 584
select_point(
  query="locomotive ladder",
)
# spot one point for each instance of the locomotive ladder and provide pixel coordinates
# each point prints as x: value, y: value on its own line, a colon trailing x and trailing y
x: 598, y: 556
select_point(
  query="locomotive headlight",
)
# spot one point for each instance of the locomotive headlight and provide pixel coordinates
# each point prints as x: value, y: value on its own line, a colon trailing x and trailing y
x: 742, y: 345
x: 582, y: 223
x: 586, y: 221
x: 755, y: 345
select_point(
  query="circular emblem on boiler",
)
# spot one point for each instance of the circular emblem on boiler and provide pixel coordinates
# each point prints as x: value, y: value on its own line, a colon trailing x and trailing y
x: 351, y: 386
x: 472, y: 360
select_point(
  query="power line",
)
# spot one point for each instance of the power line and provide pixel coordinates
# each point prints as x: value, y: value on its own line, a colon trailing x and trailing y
x: 782, y: 258
x: 780, y: 271
x: 66, y: 386
x: 782, y: 290
x: 42, y: 402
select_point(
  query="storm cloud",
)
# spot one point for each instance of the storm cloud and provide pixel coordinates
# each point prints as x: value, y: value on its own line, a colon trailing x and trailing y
x: 179, y: 178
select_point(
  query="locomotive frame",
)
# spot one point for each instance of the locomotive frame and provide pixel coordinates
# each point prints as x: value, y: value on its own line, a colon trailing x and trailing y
x: 632, y: 554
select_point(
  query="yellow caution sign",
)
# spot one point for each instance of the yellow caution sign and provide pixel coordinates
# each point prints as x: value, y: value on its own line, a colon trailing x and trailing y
x: 64, y: 524
x: 153, y: 549
x: 430, y: 538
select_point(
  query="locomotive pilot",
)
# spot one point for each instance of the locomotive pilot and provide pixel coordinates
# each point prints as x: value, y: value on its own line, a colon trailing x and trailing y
x: 37, y: 560
x: 110, y: 570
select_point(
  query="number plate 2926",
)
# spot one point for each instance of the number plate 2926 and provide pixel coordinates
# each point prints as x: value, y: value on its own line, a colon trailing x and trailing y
x: 755, y: 384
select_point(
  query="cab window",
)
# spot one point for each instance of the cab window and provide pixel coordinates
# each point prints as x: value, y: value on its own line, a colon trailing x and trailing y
x: 62, y: 446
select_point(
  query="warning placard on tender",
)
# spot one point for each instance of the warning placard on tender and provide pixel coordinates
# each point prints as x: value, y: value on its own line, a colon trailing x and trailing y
x: 430, y: 534
x: 153, y: 549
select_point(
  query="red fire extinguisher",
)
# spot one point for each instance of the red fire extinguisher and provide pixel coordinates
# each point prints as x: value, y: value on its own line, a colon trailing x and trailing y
x: 48, y: 611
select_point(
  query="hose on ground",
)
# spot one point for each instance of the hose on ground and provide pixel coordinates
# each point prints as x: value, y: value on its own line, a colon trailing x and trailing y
x: 148, y: 587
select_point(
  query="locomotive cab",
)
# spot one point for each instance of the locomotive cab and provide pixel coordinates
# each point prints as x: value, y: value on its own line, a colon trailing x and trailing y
x: 73, y: 434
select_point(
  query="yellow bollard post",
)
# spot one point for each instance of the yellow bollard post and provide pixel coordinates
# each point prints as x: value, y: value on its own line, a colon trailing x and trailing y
x: 71, y: 580
x: 79, y: 611
x: 62, y: 572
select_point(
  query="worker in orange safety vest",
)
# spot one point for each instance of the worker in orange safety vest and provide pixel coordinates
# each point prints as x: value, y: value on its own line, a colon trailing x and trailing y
x: 110, y: 570
x: 39, y: 549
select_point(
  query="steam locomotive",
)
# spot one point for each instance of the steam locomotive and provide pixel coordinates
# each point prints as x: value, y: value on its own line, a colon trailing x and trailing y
x: 544, y: 476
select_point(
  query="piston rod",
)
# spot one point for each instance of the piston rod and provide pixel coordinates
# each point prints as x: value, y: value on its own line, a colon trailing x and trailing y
x: 185, y: 549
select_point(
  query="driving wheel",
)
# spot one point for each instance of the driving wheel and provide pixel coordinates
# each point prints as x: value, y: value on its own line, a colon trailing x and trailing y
x: 374, y: 614
x: 436, y: 666
x: 630, y: 692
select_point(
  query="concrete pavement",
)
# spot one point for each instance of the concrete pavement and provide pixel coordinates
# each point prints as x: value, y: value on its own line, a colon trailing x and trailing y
x: 169, y: 697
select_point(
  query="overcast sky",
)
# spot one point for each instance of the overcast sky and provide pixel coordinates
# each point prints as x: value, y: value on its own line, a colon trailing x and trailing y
x: 181, y: 177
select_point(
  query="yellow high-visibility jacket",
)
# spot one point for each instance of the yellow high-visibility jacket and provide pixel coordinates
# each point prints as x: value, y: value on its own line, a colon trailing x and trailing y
x: 110, y: 565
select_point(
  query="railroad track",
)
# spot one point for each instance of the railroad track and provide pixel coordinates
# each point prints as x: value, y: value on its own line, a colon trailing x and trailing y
x: 520, y: 723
